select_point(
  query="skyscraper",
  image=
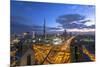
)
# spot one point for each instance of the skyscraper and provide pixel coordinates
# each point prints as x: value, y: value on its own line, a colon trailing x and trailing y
x: 44, y: 29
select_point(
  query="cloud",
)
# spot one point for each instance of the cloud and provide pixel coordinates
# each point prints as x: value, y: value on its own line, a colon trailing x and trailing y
x: 18, y: 25
x: 19, y: 28
x: 69, y: 18
x: 84, y: 21
x: 71, y: 21
x: 18, y: 19
x: 47, y: 28
x: 92, y: 26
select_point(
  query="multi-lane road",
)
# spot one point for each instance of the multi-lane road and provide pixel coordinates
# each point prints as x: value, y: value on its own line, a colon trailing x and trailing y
x: 57, y: 54
x: 54, y: 54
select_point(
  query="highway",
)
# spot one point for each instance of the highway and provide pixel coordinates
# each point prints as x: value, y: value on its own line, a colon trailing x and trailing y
x: 57, y: 54
x: 53, y: 54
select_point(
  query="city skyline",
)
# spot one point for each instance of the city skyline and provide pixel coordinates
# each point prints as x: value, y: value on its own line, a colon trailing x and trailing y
x: 51, y: 33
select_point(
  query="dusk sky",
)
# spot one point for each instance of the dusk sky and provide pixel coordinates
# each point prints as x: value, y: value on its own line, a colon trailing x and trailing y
x: 34, y: 13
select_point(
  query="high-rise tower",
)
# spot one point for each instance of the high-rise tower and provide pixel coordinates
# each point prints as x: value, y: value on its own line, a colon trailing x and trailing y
x: 44, y: 29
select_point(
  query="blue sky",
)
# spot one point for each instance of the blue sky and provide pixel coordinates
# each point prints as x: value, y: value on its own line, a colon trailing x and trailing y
x: 33, y: 13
